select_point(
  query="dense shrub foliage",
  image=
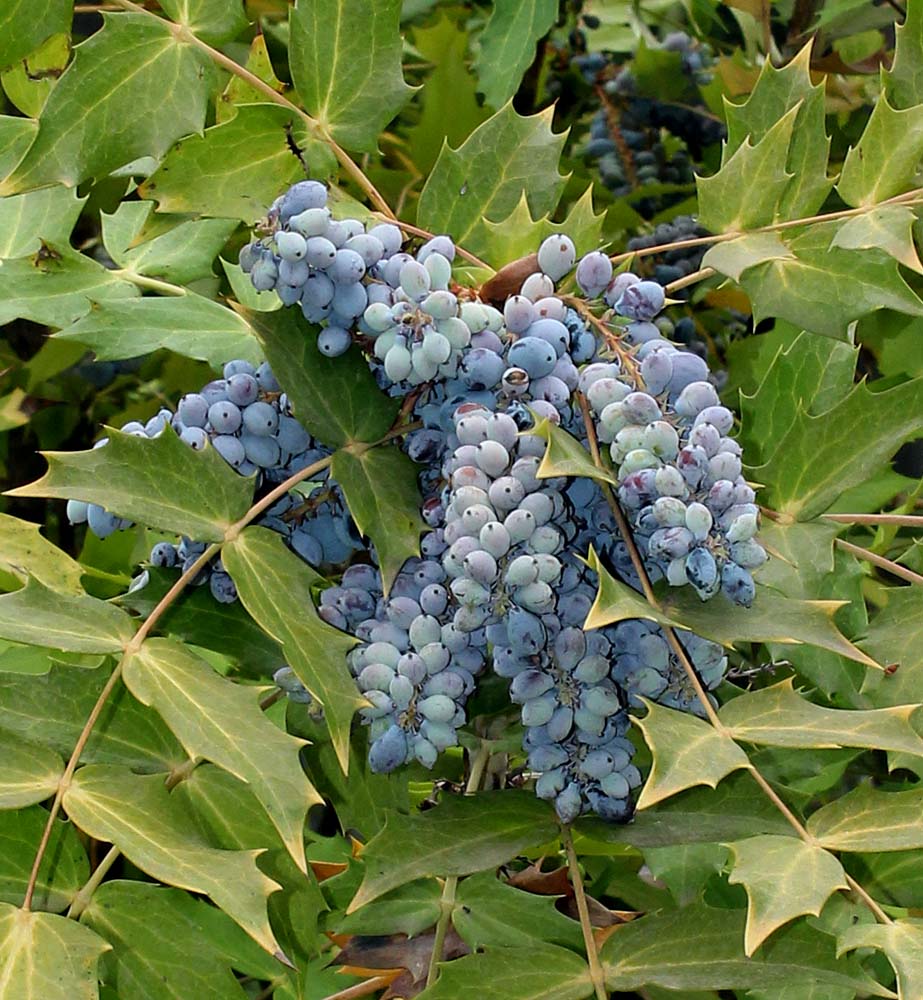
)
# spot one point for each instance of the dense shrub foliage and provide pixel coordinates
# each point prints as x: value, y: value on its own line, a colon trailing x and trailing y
x: 463, y: 522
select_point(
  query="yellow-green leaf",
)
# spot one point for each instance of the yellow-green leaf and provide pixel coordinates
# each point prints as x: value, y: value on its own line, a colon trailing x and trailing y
x: 867, y: 819
x: 888, y: 228
x: 30, y: 773
x: 566, y: 456
x: 25, y: 553
x: 901, y: 941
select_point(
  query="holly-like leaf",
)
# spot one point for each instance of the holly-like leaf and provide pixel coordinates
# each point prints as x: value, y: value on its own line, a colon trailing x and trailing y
x: 190, y: 325
x: 747, y: 191
x: 134, y: 72
x: 489, y: 913
x: 30, y: 773
x: 163, y: 943
x: 900, y: 940
x: 239, y: 91
x: 884, y: 161
x: 409, y: 909
x: 50, y: 710
x: 867, y: 819
x: 31, y: 80
x: 47, y: 957
x: 685, y: 868
x: 380, y: 486
x: 566, y: 456
x: 25, y: 24
x: 56, y: 286
x: 904, y: 80
x: 345, y: 57
x: 508, y: 45
x: 16, y: 135
x: 783, y: 878
x: 465, y: 834
x: 775, y: 94
x: 484, y: 178
x: 137, y: 815
x: 701, y: 947
x: 40, y: 616
x: 773, y: 617
x: 337, y: 399
x: 212, y: 20
x: 159, y: 481
x: 547, y: 973
x: 233, y: 170
x: 27, y: 219
x: 221, y: 721
x: 895, y: 637
x: 275, y: 587
x: 25, y: 553
x: 888, y: 228
x: 687, y: 751
x: 778, y: 716
x: 733, y: 257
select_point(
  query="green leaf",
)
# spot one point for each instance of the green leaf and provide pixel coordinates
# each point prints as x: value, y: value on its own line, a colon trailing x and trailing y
x: 25, y: 553
x: 345, y: 57
x: 56, y: 286
x: 337, y: 399
x: 409, y: 909
x: 16, y: 135
x: 190, y: 325
x: 888, y: 228
x: 233, y: 170
x: 486, y: 176
x: 64, y: 867
x: 895, y: 637
x: 508, y: 45
x: 685, y: 868
x: 30, y: 773
x: 900, y: 940
x: 212, y: 20
x: 159, y: 481
x: 133, y: 72
x: 31, y: 80
x: 27, y: 219
x: 904, y: 81
x: 463, y: 835
x: 773, y: 617
x: 380, y: 486
x: 162, y: 943
x: 783, y: 878
x: 80, y: 624
x: 490, y: 913
x: 221, y: 721
x: 778, y: 716
x: 884, y: 161
x: 825, y: 288
x: 747, y: 191
x: 548, y: 973
x: 46, y: 957
x: 733, y: 257
x: 275, y: 587
x: 867, y: 819
x: 687, y: 751
x: 776, y: 93
x: 137, y: 814
x: 700, y: 947
x: 25, y: 24
x: 50, y: 709
x: 238, y: 91
x: 566, y: 456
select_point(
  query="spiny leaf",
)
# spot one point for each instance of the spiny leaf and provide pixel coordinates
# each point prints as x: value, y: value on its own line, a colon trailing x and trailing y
x: 566, y: 456
x: 16, y: 135
x: 190, y: 325
x: 900, y: 940
x: 239, y: 91
x: 733, y: 257
x: 25, y: 24
x: 867, y: 819
x: 222, y: 721
x: 27, y: 219
x: 345, y: 57
x: 486, y: 176
x: 884, y: 162
x: 43, y: 617
x: 783, y: 878
x: 275, y: 587
x: 337, y: 399
x: 904, y: 81
x: 159, y: 481
x: 464, y: 834
x: 25, y: 553
x: 133, y: 72
x: 685, y: 868
x: 508, y: 45
x: 895, y: 636
x: 30, y: 773
x: 56, y: 286
x: 232, y: 170
x: 64, y: 867
x: 548, y: 973
x: 409, y: 909
x: 687, y: 751
x: 137, y: 814
x: 46, y: 957
x: 778, y: 716
x: 380, y: 486
x: 888, y: 228
x: 212, y: 20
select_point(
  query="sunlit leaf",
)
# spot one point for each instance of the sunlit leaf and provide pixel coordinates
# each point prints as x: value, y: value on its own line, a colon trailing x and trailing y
x: 867, y: 819
x: 25, y: 553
